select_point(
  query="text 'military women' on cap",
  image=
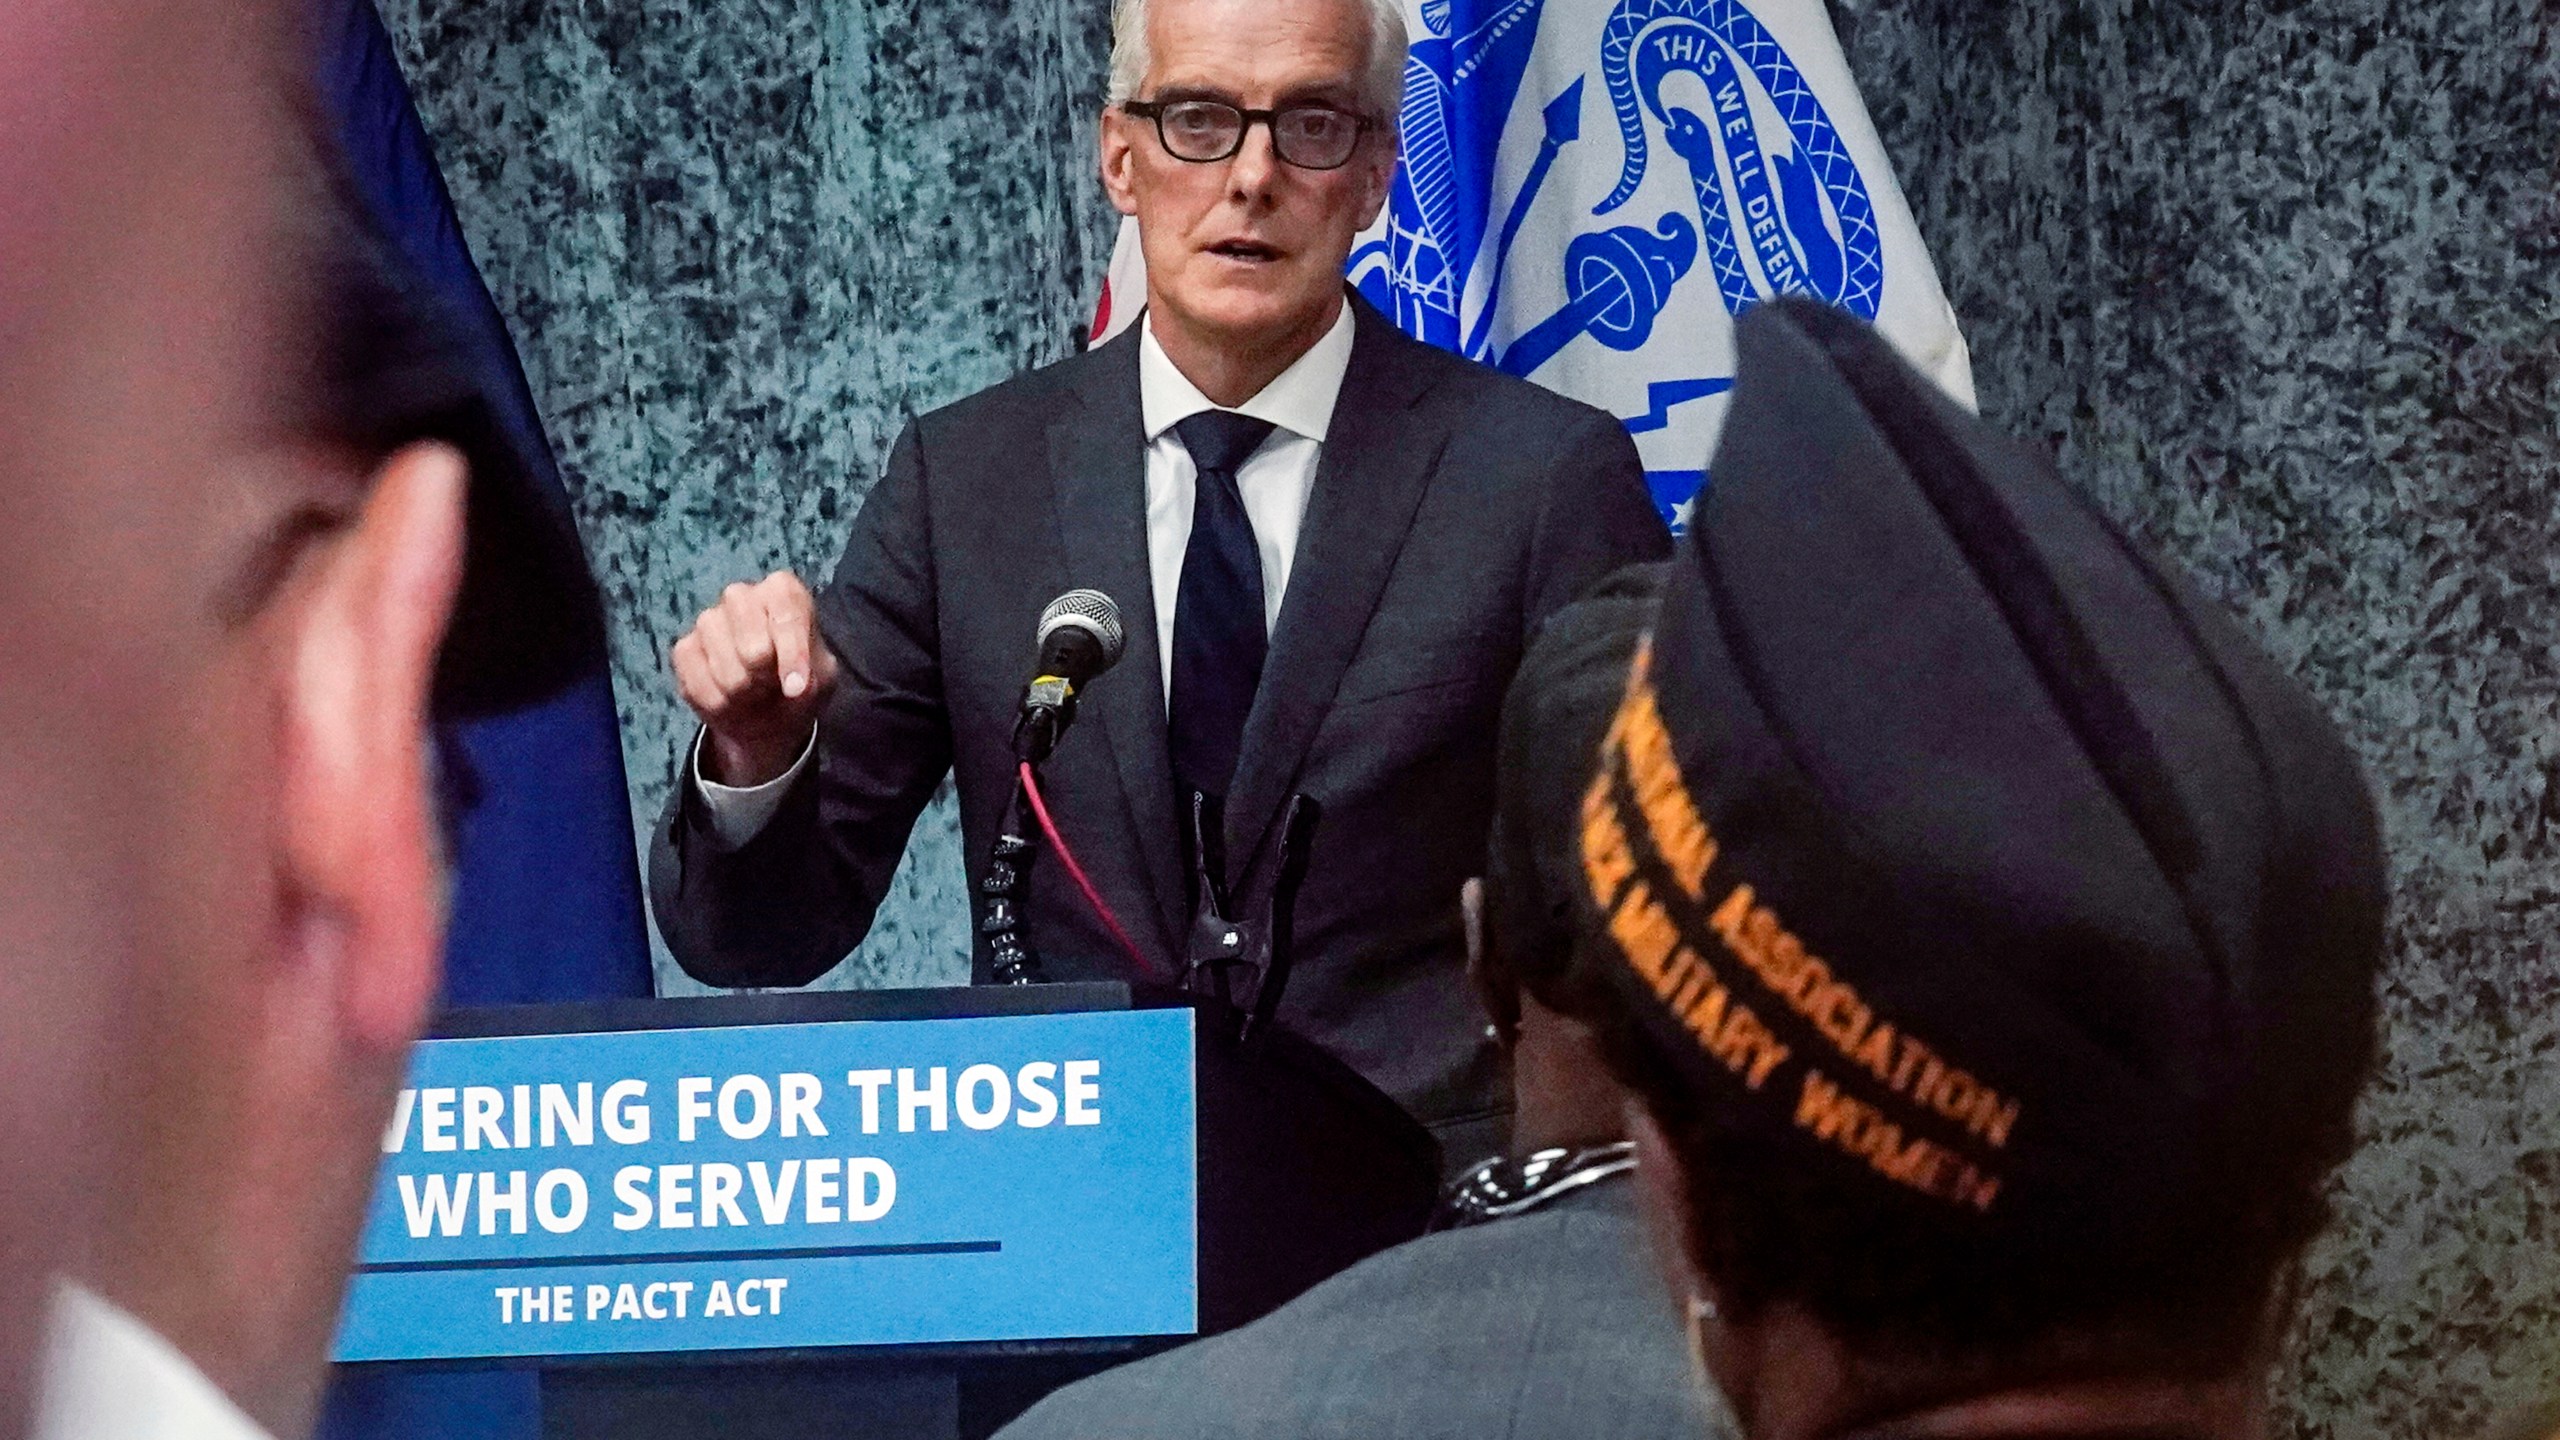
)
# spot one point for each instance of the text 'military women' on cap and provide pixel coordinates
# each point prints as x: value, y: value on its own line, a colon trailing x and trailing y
x: 1948, y: 839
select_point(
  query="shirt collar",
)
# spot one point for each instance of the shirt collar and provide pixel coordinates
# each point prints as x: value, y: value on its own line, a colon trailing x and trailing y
x: 106, y: 1374
x: 1299, y: 399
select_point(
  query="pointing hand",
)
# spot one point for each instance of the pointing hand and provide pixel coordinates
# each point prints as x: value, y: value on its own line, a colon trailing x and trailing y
x: 756, y: 671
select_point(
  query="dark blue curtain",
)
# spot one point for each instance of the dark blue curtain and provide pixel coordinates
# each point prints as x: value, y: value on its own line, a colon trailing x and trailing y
x: 547, y: 887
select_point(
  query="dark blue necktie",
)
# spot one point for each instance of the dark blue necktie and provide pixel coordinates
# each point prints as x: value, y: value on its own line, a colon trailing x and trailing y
x: 1218, y: 635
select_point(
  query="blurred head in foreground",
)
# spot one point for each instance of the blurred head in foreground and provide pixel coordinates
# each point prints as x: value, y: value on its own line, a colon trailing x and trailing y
x: 232, y: 526
x: 1995, y: 929
x: 136, y: 311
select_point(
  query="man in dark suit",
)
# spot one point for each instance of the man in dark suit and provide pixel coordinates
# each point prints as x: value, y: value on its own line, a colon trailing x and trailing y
x: 1330, y: 544
x: 1531, y: 1313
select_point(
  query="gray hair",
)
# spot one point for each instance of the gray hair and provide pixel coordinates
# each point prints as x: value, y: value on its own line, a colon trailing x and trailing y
x: 1383, y: 86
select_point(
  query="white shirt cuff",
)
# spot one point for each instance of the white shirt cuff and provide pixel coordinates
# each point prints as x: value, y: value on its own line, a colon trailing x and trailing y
x: 739, y: 812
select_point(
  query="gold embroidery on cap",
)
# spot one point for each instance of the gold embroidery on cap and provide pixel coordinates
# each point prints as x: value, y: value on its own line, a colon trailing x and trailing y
x: 1638, y: 753
x: 1607, y: 861
x: 1832, y: 1006
x: 1680, y: 977
x: 1861, y: 1131
x: 1724, y: 1027
x: 1638, y: 740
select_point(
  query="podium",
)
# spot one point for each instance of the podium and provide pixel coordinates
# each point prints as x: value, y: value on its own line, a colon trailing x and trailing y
x: 896, y: 1212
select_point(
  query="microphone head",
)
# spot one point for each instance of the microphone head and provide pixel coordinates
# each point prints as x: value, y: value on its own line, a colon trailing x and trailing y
x: 1081, y: 631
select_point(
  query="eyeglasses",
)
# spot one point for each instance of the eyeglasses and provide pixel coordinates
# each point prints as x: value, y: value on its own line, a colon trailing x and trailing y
x: 1311, y: 137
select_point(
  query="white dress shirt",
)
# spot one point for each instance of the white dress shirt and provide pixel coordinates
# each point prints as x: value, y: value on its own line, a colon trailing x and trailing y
x: 108, y: 1376
x: 1274, y: 481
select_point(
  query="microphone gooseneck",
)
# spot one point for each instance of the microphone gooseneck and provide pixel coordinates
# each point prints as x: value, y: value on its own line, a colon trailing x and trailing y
x: 1079, y: 637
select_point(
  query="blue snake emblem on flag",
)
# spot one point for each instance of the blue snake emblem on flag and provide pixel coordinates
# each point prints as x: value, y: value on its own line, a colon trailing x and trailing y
x: 1499, y: 166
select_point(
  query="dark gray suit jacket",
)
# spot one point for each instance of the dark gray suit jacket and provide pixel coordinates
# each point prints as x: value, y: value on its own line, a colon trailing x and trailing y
x: 1453, y: 509
x: 1544, y: 1326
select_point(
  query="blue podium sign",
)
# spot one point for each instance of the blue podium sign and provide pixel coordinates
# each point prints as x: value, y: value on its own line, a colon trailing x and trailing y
x: 785, y: 1186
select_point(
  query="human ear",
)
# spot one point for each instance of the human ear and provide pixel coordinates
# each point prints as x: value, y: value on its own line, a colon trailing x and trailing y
x: 1377, y: 177
x: 1662, y: 1202
x: 1119, y: 162
x: 357, y: 843
x: 1662, y: 1196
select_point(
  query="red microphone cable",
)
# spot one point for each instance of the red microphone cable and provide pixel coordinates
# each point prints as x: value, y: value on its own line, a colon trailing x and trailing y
x: 1067, y: 857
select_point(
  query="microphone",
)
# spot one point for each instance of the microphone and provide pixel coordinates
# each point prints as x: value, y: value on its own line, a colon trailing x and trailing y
x: 1080, y: 637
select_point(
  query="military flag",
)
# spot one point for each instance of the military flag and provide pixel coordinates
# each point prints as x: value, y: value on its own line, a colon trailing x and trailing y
x: 1591, y: 191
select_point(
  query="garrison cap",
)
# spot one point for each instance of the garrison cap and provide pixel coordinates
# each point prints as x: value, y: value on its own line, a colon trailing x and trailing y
x: 1944, y: 834
x: 1561, y: 701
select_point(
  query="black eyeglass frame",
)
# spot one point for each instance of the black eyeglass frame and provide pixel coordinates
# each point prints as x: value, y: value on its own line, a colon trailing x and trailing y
x: 1153, y: 110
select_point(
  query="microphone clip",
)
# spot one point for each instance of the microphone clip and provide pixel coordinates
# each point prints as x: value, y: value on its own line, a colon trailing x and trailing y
x: 1221, y: 947
x: 1218, y: 945
x: 1048, y: 708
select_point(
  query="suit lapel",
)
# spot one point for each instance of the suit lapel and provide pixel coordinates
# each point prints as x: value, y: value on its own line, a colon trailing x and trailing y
x: 1097, y: 462
x: 1369, y: 482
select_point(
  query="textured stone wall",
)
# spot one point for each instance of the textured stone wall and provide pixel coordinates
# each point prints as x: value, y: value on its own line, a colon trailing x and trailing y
x: 2278, y: 281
